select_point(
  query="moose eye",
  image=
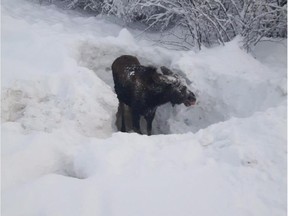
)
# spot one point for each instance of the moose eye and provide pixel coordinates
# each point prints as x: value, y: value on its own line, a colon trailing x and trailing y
x: 183, y: 89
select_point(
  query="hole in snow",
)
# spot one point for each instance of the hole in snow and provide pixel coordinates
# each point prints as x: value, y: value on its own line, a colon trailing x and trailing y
x: 220, y: 95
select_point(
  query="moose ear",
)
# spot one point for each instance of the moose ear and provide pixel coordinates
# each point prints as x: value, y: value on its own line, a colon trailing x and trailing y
x: 166, y: 71
x: 159, y: 78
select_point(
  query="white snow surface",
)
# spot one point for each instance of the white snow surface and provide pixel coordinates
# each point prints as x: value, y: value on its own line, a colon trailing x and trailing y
x: 61, y: 153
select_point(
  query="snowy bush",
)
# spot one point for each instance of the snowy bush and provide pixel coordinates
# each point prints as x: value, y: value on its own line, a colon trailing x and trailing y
x: 193, y: 23
x: 218, y: 21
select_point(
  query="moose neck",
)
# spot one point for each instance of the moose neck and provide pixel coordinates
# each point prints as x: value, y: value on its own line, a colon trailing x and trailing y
x: 159, y: 98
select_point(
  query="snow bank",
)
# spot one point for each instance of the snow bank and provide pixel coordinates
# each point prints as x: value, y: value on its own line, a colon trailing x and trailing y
x: 46, y: 88
x: 228, y: 168
x: 61, y: 154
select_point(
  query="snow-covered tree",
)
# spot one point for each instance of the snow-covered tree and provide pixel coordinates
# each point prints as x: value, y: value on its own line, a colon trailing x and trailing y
x: 198, y: 22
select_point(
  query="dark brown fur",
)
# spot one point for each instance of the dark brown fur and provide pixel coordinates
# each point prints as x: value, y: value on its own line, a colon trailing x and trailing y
x: 143, y: 89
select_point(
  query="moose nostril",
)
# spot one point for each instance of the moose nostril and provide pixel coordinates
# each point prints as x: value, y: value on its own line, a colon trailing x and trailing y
x: 192, y: 97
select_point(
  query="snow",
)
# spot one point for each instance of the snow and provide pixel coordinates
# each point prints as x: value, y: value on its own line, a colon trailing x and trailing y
x: 61, y: 153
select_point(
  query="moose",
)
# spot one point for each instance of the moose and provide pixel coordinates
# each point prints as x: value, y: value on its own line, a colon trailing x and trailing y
x: 144, y: 88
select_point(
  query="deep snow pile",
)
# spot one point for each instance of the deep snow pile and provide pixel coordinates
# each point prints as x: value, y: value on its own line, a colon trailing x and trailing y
x: 61, y: 154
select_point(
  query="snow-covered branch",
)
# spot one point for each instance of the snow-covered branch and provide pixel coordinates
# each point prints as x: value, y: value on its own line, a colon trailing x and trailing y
x: 203, y: 22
